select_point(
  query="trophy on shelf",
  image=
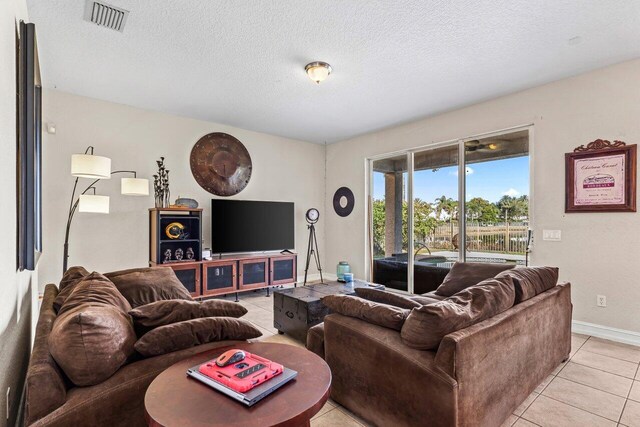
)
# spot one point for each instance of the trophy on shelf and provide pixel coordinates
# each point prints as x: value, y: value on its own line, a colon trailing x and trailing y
x: 179, y: 254
x: 189, y: 254
x: 167, y: 256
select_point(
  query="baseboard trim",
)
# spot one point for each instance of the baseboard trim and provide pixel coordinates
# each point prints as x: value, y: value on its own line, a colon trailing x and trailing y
x: 606, y: 332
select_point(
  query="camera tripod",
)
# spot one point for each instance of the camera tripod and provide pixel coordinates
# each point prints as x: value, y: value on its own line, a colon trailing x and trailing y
x: 312, y: 251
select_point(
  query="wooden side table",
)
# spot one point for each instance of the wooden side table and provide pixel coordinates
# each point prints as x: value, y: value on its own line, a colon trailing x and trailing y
x: 173, y: 399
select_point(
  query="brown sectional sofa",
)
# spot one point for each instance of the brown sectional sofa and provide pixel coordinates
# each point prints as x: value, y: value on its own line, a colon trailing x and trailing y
x: 52, y: 400
x: 477, y: 376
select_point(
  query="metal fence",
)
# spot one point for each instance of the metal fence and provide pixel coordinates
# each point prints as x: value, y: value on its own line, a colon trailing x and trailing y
x: 501, y: 238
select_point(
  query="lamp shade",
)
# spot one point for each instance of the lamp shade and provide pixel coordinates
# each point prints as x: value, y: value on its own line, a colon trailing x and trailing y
x: 90, y: 166
x: 134, y: 186
x: 93, y: 204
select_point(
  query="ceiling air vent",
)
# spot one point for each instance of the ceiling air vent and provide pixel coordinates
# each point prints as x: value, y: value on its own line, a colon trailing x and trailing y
x: 105, y: 15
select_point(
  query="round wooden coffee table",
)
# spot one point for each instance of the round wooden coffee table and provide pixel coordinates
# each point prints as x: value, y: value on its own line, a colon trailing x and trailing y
x: 173, y: 399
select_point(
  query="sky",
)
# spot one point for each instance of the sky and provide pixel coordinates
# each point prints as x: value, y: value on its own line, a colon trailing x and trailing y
x: 489, y: 180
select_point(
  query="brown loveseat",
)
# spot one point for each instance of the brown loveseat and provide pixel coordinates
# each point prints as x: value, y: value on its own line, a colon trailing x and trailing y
x: 51, y: 400
x: 476, y: 377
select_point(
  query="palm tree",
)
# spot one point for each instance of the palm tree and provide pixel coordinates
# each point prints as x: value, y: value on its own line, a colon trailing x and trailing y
x: 441, y: 202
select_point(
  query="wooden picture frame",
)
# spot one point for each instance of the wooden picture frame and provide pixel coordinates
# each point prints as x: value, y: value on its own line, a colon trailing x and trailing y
x: 601, y: 177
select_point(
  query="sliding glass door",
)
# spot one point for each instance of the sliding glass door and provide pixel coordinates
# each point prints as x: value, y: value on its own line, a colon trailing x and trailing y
x: 464, y: 200
x: 497, y: 198
x: 389, y: 220
x: 436, y: 210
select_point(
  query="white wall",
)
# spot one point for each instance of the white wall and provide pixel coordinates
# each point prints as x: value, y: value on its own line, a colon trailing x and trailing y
x: 599, y: 251
x: 17, y: 294
x: 283, y: 170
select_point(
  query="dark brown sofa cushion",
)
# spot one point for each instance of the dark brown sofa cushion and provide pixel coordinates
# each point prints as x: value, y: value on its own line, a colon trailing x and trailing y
x: 91, y: 342
x: 369, y: 311
x: 189, y: 333
x: 426, y: 326
x: 424, y: 300
x: 531, y: 281
x: 94, y: 289
x: 386, y: 297
x: 165, y: 312
x: 465, y: 274
x: 315, y: 339
x: 119, y: 401
x: 45, y: 385
x: 142, y: 286
x: 70, y: 278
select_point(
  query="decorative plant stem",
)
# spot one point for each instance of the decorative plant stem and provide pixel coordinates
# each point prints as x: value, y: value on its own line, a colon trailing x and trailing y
x: 161, y: 185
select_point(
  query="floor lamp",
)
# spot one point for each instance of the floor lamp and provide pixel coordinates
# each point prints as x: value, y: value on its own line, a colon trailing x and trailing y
x: 97, y: 168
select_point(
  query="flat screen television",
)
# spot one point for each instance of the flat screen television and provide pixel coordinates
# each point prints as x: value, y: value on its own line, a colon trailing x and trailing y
x: 251, y: 226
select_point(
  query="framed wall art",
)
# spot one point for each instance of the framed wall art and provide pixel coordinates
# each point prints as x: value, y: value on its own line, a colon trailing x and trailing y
x: 601, y: 177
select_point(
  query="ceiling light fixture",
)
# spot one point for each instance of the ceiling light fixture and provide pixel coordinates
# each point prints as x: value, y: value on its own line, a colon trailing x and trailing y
x: 318, y: 71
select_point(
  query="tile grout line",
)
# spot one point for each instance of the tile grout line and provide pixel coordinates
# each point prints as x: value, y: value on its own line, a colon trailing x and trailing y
x: 318, y: 417
x: 606, y: 355
x: 530, y: 421
x: 598, y: 369
x: 628, y: 394
x: 593, y: 387
x: 581, y: 409
x: 623, y: 408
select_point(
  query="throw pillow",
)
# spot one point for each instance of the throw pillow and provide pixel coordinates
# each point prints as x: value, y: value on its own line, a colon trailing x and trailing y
x: 142, y: 286
x: 161, y: 313
x: 190, y: 333
x: 371, y: 312
x: 95, y: 289
x: 427, y: 325
x: 531, y: 281
x: 465, y: 274
x: 91, y: 342
x: 70, y: 278
x: 386, y: 297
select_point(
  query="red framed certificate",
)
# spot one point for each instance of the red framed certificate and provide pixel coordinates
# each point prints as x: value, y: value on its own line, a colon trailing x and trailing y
x: 601, y: 177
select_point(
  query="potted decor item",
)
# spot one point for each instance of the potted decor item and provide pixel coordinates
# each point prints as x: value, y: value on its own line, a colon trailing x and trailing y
x: 342, y: 268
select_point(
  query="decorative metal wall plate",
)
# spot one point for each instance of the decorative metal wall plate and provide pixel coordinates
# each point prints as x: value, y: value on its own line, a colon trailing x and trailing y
x: 220, y: 164
x: 348, y: 207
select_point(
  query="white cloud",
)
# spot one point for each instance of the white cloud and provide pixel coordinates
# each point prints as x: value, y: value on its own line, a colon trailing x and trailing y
x: 512, y: 192
x: 468, y: 170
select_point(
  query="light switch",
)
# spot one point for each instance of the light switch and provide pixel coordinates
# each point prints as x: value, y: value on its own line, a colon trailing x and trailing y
x: 552, y: 235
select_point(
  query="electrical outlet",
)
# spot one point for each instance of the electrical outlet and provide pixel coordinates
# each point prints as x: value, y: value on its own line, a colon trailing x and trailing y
x: 601, y: 301
x: 552, y: 235
x: 8, y: 405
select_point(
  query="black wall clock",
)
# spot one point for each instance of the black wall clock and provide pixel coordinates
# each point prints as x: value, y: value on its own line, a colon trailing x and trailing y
x: 349, y: 201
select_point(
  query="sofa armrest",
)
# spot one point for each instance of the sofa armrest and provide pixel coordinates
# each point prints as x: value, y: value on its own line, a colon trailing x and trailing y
x: 500, y: 361
x: 315, y: 339
x: 382, y: 380
x: 119, y: 400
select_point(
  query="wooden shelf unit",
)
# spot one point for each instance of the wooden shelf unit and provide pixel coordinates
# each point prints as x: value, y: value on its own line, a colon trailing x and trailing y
x: 159, y: 242
x: 222, y: 275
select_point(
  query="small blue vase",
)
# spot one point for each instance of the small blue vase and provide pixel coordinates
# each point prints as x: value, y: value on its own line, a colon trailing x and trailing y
x: 343, y: 267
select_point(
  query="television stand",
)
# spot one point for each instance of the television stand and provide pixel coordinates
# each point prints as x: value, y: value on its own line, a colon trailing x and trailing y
x: 231, y: 274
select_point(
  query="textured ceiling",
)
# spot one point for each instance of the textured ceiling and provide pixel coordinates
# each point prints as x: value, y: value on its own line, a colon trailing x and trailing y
x: 242, y: 62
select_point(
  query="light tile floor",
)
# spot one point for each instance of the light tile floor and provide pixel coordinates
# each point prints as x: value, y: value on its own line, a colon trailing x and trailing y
x: 598, y: 386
